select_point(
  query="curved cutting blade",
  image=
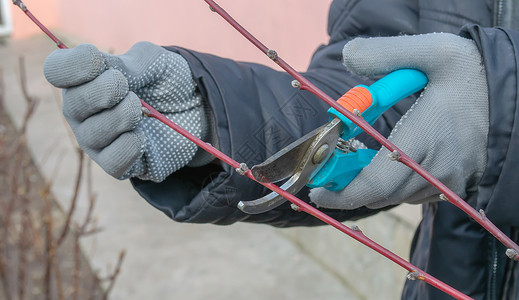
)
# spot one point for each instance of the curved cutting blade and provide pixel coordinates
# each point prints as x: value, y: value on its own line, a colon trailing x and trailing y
x: 284, y: 163
x: 269, y: 201
x: 302, y: 166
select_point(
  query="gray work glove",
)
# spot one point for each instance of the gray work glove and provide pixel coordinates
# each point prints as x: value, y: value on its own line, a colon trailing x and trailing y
x: 445, y: 131
x: 101, y: 104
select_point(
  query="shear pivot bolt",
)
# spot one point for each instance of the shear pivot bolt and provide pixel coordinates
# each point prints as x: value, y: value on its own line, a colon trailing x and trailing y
x: 345, y: 146
x: 321, y: 154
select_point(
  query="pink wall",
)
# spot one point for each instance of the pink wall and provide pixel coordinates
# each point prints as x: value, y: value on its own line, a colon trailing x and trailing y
x: 294, y: 28
x: 45, y: 11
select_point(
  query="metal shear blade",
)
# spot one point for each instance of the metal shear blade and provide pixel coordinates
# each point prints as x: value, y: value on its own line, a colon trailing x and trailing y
x: 300, y: 160
x: 283, y: 164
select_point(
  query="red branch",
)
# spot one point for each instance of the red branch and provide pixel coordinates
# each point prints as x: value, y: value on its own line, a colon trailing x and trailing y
x: 305, y: 84
x: 415, y: 273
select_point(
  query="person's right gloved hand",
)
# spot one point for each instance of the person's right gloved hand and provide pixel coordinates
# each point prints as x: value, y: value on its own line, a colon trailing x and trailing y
x: 445, y: 131
x: 101, y: 104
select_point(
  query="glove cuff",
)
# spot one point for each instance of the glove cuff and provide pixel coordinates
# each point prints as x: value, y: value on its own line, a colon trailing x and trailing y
x: 209, y: 135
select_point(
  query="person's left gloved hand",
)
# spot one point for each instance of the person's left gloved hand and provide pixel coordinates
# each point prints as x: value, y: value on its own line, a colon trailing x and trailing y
x: 101, y: 103
x: 445, y: 131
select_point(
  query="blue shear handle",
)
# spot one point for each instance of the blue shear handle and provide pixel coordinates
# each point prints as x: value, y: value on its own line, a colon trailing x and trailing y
x: 385, y: 93
x: 342, y: 167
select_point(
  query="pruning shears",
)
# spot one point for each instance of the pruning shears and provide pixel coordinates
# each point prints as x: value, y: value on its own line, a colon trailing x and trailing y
x: 326, y: 157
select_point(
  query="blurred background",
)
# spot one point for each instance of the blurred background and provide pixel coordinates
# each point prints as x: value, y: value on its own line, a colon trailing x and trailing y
x: 294, y: 27
x: 118, y: 247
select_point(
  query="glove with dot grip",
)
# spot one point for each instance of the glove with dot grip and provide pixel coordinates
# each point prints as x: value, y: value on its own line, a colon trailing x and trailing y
x: 101, y: 103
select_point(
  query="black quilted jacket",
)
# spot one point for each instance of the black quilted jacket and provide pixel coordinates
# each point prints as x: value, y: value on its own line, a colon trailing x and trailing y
x: 257, y: 113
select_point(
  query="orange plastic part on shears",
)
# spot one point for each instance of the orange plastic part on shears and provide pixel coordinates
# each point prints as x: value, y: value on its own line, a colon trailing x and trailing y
x: 358, y: 97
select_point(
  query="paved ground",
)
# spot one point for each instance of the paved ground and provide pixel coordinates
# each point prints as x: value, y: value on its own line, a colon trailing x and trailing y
x: 165, y: 260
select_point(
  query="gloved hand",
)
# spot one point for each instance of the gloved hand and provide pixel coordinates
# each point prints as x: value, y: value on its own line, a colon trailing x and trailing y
x: 445, y: 131
x: 101, y: 104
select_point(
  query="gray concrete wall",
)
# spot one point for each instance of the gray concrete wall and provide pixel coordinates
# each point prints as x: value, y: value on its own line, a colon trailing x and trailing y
x: 365, y: 272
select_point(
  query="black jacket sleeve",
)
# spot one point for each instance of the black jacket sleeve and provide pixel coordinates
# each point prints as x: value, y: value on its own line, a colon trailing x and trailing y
x: 498, y: 189
x: 258, y: 112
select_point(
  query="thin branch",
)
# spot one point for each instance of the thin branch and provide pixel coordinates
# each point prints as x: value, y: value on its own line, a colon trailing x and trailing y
x: 59, y: 278
x: 74, y: 199
x: 28, y: 239
x: 21, y: 142
x: 3, y: 266
x: 59, y: 103
x: 91, y: 231
x: 77, y: 268
x: 33, y: 233
x: 46, y: 216
x: 4, y: 162
x: 8, y: 213
x: 2, y: 91
x: 31, y: 101
x: 49, y: 151
x: 92, y: 197
x: 23, y: 247
x: 111, y: 278
x: 3, y: 275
